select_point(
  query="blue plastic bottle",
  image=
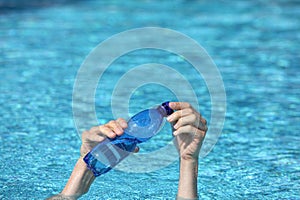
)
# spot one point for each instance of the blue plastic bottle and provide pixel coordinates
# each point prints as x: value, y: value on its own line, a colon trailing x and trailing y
x: 141, y: 127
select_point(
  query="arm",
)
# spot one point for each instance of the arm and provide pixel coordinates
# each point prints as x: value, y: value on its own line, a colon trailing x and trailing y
x: 81, y: 177
x: 78, y: 183
x: 189, y: 129
x: 187, y: 186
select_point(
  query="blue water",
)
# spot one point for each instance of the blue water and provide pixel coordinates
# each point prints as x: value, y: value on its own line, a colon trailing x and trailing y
x: 255, y: 45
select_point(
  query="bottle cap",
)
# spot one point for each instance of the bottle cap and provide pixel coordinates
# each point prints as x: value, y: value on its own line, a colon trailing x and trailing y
x: 167, y: 108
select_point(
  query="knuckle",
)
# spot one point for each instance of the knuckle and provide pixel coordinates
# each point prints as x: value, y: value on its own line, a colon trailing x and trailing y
x: 122, y: 122
x: 189, y: 110
x: 93, y: 129
x: 112, y: 122
x: 103, y: 128
x: 189, y: 105
x: 194, y: 118
x: 84, y: 133
x: 121, y: 119
x: 205, y: 129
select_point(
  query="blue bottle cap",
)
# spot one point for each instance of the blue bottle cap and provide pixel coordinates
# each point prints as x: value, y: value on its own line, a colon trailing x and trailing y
x: 167, y: 108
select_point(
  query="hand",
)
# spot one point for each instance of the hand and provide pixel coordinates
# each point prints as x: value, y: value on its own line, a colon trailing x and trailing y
x: 189, y: 128
x: 98, y: 133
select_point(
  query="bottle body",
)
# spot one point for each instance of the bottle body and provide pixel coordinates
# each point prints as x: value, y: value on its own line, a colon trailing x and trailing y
x: 108, y: 154
x: 141, y: 127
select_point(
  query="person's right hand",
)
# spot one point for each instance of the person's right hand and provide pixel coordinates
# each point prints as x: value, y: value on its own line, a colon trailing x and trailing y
x: 98, y: 134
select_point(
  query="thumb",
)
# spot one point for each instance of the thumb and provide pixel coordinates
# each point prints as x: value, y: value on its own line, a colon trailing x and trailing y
x: 136, y: 149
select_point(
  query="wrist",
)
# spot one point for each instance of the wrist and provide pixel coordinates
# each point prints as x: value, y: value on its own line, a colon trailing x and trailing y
x: 82, y: 166
x: 191, y: 163
x: 80, y: 180
x: 189, y: 167
x: 188, y: 160
x: 187, y: 187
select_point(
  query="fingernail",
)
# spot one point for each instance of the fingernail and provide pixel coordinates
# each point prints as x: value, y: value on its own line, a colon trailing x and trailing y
x: 169, y: 118
x: 176, y: 126
x: 175, y: 133
x: 120, y: 130
x: 112, y: 134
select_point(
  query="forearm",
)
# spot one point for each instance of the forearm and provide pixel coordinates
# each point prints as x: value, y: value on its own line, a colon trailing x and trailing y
x: 80, y: 180
x: 78, y: 183
x: 187, y: 187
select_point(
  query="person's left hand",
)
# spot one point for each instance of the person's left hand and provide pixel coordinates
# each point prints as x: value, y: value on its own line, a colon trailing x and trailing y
x: 189, y: 128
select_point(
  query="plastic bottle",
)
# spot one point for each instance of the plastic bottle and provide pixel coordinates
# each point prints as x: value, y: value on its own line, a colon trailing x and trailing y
x: 141, y: 127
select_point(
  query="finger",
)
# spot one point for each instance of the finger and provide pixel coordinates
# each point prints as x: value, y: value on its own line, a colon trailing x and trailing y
x: 94, y: 130
x: 115, y: 127
x: 93, y: 135
x: 187, y: 120
x: 122, y: 122
x: 203, y: 120
x: 96, y: 133
x: 179, y: 105
x: 203, y: 124
x: 191, y: 120
x: 181, y: 113
x: 96, y: 138
x: 106, y: 131
x: 188, y: 129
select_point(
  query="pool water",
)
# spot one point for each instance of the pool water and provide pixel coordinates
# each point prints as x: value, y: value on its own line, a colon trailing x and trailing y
x: 255, y: 45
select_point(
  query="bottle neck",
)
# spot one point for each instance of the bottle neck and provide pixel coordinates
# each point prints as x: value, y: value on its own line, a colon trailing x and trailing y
x: 162, y: 110
x: 167, y: 108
